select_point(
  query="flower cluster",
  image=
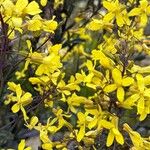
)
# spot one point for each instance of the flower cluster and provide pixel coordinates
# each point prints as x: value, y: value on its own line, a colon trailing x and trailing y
x: 83, y: 76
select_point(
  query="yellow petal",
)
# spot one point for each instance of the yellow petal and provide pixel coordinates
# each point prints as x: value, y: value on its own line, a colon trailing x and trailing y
x: 136, y: 139
x: 81, y: 133
x: 47, y: 146
x: 110, y: 88
x: 32, y: 8
x: 21, y: 145
x: 89, y: 77
x: 12, y: 86
x: 15, y: 108
x: 43, y: 2
x: 140, y: 82
x: 120, y: 94
x: 134, y: 12
x: 129, y: 102
x: 106, y: 124
x: 147, y: 80
x: 148, y: 10
x: 119, y: 20
x: 26, y: 98
x: 28, y: 148
x: 93, y: 123
x: 81, y: 117
x: 107, y: 5
x: 110, y: 138
x: 55, y: 48
x: 117, y: 76
x: 144, y: 19
x: 40, y: 70
x: 95, y: 25
x: 52, y: 129
x: 50, y: 25
x: 143, y: 4
x: 127, y: 81
x: 109, y: 16
x: 104, y: 60
x: 115, y: 131
x: 119, y: 138
x: 140, y: 105
x: 20, y: 5
x: 34, y: 120
x: 147, y: 93
x: 18, y: 91
x: 143, y: 116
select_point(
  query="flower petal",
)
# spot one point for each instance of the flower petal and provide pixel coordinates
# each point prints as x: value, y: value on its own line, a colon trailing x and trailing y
x: 20, y: 5
x: 108, y: 17
x: 140, y: 105
x: 119, y: 138
x: 117, y: 77
x: 119, y: 19
x: 110, y: 139
x: 120, y: 94
x: 140, y: 82
x: 26, y: 98
x: 15, y: 108
x: 134, y: 12
x: 127, y: 81
x: 110, y: 88
x: 21, y: 145
x: 144, y: 19
x: 106, y: 124
x: 81, y: 133
x: 43, y: 2
x: 32, y: 8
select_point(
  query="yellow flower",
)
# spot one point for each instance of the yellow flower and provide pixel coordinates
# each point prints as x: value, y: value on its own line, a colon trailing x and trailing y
x: 142, y: 96
x: 109, y: 44
x: 99, y: 24
x: 49, y: 64
x: 104, y: 60
x: 114, y: 133
x: 35, y: 23
x: 96, y: 120
x: 23, y: 6
x: 75, y: 101
x: 60, y: 117
x: 116, y: 10
x: 49, y: 25
x: 138, y: 142
x: 33, y: 121
x: 142, y: 11
x: 139, y: 98
x: 17, y: 11
x: 21, y: 146
x: 22, y: 99
x: 119, y: 83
